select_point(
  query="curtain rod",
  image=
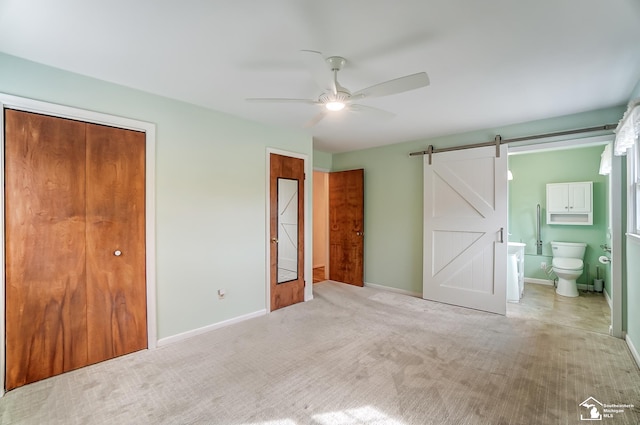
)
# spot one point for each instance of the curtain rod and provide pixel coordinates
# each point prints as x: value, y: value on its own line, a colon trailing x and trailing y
x: 499, y: 141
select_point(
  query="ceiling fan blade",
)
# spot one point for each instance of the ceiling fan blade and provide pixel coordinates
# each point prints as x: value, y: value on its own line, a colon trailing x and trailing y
x: 316, y: 119
x: 281, y: 100
x: 370, y: 110
x: 317, y: 65
x: 399, y: 85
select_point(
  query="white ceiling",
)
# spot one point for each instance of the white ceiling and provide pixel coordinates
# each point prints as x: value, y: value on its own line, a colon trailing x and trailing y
x: 491, y: 63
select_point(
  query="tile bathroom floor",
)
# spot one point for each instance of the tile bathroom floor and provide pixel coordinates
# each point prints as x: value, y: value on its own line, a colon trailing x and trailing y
x: 589, y: 311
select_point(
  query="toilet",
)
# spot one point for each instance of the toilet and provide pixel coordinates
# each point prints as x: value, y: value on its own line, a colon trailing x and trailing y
x: 568, y: 266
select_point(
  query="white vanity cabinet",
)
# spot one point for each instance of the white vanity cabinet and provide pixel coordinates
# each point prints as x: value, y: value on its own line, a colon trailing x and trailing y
x: 570, y: 203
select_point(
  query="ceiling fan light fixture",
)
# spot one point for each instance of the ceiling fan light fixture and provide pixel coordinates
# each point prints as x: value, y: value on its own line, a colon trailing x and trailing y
x: 335, y: 102
x: 335, y: 106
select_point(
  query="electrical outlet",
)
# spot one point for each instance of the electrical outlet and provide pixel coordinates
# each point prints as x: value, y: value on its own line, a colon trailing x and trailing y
x: 221, y: 294
x: 543, y: 265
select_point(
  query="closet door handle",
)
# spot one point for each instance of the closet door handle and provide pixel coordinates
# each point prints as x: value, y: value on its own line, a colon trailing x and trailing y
x: 502, y: 235
x: 117, y: 253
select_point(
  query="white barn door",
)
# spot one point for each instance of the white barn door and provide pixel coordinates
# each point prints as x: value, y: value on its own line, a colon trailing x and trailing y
x: 465, y: 228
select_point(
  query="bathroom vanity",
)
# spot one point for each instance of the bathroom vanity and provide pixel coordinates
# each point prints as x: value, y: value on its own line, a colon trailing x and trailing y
x: 516, y: 249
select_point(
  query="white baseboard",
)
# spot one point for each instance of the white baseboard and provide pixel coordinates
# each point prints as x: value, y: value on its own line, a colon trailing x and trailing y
x: 185, y: 335
x: 608, y: 298
x: 396, y: 290
x: 546, y: 282
x: 633, y: 350
x: 581, y: 286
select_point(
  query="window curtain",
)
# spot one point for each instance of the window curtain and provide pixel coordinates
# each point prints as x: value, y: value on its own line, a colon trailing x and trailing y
x: 605, y: 160
x: 628, y: 128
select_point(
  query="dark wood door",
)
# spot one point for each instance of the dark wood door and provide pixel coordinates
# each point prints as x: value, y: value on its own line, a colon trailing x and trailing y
x: 346, y: 227
x: 46, y: 325
x: 116, y: 287
x: 66, y: 203
x: 287, y: 237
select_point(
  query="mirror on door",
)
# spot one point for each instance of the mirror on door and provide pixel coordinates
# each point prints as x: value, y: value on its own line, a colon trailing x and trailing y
x: 287, y: 230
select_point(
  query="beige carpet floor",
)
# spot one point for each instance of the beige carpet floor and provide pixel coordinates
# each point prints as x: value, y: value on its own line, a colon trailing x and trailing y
x: 352, y: 356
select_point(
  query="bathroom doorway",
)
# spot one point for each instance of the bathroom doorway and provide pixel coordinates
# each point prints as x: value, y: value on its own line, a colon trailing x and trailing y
x: 532, y: 168
x: 320, y: 226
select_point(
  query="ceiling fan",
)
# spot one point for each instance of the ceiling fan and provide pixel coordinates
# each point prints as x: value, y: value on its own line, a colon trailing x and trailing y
x: 337, y: 98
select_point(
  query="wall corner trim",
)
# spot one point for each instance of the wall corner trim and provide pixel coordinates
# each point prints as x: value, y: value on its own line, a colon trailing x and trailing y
x: 608, y: 298
x: 632, y: 348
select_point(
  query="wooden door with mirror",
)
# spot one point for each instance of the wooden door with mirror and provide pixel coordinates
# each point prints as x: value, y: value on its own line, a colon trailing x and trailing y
x: 286, y: 188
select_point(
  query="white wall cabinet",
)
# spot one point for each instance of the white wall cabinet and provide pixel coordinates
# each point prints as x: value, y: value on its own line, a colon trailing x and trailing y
x: 570, y: 203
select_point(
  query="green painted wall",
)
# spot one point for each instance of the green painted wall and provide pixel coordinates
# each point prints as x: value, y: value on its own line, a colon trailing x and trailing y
x: 394, y: 193
x: 210, y: 192
x: 322, y: 161
x: 532, y: 171
x: 393, y: 214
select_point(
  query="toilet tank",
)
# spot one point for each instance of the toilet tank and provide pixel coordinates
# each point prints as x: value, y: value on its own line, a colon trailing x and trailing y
x: 568, y: 249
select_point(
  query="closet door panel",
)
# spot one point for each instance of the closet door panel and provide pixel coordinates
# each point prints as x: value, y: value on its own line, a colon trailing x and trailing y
x: 116, y: 287
x: 46, y: 330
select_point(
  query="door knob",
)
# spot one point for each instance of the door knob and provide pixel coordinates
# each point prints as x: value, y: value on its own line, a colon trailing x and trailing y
x: 274, y: 240
x: 117, y: 253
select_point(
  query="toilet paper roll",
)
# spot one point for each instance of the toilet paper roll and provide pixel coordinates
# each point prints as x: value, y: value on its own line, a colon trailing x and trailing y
x: 604, y: 259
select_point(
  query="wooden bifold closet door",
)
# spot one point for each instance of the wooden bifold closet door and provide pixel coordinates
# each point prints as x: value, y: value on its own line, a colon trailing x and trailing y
x: 74, y: 245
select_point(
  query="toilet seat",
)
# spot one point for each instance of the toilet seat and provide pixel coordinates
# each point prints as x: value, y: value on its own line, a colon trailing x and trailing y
x: 567, y: 263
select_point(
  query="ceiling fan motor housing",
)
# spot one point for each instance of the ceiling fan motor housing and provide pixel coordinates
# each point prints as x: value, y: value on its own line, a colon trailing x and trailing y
x: 336, y: 62
x: 342, y: 96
